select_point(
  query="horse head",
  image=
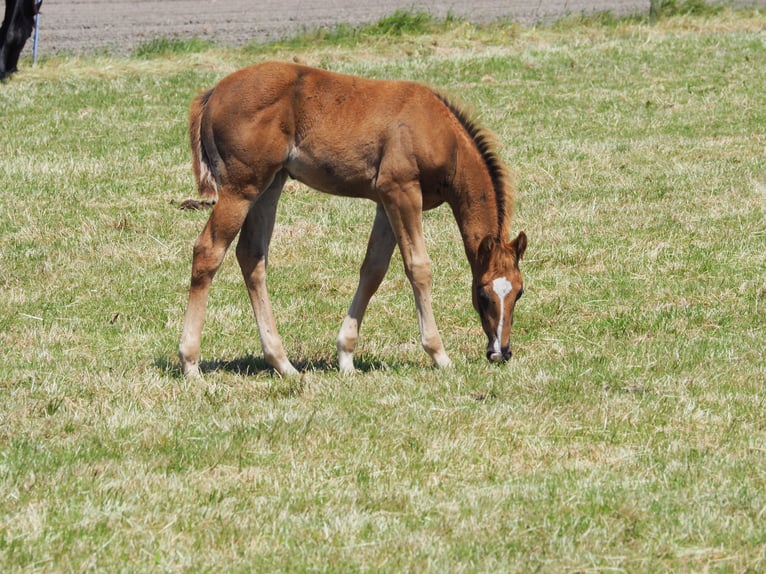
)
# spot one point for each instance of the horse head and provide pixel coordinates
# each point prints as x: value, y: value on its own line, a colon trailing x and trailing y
x: 497, y: 286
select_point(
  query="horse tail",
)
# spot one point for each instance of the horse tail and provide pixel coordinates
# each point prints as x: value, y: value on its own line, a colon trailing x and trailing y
x: 204, y: 168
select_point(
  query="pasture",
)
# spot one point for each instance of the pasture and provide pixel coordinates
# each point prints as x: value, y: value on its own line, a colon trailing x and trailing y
x: 626, y: 434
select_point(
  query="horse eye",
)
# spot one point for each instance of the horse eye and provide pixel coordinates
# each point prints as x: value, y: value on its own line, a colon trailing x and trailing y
x: 483, y: 298
x: 519, y: 294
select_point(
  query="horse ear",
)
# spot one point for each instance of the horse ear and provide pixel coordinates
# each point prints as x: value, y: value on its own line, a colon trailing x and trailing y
x: 486, y: 247
x: 519, y: 245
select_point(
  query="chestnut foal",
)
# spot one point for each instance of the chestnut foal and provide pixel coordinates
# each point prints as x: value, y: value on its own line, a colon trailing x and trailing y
x: 399, y: 144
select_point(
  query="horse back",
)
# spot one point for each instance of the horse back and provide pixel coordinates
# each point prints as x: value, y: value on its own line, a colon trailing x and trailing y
x: 333, y: 132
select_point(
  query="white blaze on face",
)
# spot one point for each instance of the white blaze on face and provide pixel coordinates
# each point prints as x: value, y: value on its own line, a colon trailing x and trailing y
x: 502, y: 288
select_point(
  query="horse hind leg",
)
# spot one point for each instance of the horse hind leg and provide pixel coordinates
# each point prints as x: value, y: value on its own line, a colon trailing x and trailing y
x: 380, y: 247
x: 252, y: 255
x: 209, y: 250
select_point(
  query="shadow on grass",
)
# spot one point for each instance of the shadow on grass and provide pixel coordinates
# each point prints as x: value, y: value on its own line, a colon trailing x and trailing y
x: 250, y: 365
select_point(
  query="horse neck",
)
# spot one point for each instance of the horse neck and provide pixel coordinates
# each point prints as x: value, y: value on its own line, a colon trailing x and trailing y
x: 476, y: 207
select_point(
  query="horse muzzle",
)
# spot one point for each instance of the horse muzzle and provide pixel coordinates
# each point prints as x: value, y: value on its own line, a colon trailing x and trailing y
x: 494, y: 357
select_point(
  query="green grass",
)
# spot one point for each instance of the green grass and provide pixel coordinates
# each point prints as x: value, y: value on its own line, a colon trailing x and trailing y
x: 171, y: 46
x: 398, y: 25
x: 668, y: 8
x: 627, y: 433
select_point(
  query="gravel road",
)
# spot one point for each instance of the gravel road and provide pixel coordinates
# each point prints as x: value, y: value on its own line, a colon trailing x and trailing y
x: 81, y: 26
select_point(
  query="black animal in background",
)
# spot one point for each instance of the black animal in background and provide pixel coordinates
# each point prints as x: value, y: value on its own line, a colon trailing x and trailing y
x: 17, y: 26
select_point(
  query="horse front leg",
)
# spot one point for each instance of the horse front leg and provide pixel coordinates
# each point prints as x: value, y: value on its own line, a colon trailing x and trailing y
x: 380, y: 247
x: 209, y: 250
x: 404, y: 207
x: 252, y: 255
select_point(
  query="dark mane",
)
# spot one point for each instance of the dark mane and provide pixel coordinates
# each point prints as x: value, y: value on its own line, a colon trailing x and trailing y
x: 487, y: 147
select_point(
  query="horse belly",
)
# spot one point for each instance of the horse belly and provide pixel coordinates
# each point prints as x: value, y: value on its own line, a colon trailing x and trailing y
x: 328, y: 174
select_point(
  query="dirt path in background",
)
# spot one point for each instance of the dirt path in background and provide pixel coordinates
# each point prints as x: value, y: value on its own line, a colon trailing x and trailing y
x: 81, y: 26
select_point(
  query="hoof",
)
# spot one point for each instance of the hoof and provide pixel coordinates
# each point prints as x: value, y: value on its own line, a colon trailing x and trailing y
x: 346, y: 363
x: 191, y: 370
x: 443, y: 362
x: 287, y: 370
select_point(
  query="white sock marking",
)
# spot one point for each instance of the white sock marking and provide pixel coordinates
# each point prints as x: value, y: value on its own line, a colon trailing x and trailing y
x: 502, y: 288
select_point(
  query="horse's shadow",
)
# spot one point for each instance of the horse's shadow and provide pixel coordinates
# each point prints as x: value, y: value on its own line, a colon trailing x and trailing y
x: 250, y: 365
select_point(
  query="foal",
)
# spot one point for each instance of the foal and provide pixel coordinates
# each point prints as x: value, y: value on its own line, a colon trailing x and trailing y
x: 398, y: 144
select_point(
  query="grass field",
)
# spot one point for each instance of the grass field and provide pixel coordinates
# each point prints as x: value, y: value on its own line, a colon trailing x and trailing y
x: 627, y: 433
